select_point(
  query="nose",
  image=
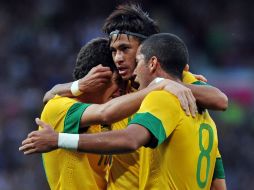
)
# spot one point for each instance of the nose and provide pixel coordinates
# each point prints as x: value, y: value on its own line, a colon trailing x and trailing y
x: 119, y: 57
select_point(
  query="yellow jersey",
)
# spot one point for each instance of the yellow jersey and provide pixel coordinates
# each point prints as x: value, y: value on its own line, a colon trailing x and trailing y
x: 185, y: 147
x: 219, y: 173
x: 67, y: 169
x: 124, y: 171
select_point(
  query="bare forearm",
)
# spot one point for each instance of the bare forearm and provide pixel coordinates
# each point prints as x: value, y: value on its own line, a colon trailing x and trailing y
x: 114, y: 142
x: 104, y: 143
x: 124, y: 106
x: 60, y: 89
x: 209, y: 97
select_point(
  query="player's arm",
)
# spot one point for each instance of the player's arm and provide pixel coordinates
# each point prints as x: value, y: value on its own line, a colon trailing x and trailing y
x: 61, y: 89
x: 209, y: 97
x: 124, y: 106
x: 89, y: 83
x: 218, y: 182
x: 113, y: 142
x: 142, y: 130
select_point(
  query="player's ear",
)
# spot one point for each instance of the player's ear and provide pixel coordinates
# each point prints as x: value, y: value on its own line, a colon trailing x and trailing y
x: 153, y: 64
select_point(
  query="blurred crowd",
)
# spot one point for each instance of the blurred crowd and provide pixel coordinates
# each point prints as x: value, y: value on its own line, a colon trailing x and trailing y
x: 39, y: 41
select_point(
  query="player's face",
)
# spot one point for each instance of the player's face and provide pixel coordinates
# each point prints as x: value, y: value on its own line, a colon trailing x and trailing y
x: 142, y: 72
x: 124, y: 50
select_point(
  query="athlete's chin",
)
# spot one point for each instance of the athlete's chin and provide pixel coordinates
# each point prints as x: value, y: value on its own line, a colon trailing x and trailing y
x: 126, y: 76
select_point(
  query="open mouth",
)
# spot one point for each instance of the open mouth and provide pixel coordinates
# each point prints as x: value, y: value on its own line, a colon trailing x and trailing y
x: 122, y: 71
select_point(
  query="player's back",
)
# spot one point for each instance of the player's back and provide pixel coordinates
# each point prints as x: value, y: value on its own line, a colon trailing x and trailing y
x: 124, y: 172
x: 186, y: 154
x: 189, y: 155
x: 69, y: 169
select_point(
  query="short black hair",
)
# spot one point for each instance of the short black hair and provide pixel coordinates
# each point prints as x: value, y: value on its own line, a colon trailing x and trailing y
x: 131, y: 18
x: 92, y: 54
x: 169, y: 49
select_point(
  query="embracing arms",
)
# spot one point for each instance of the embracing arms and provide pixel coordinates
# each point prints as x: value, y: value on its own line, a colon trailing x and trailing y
x: 206, y: 96
x: 209, y: 97
x: 113, y: 142
x: 90, y: 83
x: 126, y: 105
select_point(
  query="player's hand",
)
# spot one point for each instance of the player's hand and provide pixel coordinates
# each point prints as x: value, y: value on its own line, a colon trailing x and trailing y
x: 185, y: 96
x: 96, y: 77
x: 200, y: 77
x: 40, y: 141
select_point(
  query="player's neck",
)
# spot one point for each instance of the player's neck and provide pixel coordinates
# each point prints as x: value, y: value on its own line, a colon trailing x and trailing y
x: 167, y: 76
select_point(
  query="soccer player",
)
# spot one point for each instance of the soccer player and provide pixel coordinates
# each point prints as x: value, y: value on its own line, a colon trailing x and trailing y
x: 185, y: 147
x: 128, y: 26
x: 67, y: 169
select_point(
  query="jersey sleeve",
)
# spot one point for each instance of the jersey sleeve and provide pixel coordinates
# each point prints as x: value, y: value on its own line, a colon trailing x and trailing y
x: 63, y: 114
x: 158, y: 114
x: 219, y: 172
x: 73, y: 117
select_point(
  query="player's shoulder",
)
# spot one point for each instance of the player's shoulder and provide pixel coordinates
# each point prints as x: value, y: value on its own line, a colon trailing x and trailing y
x: 206, y: 116
x: 59, y: 103
x: 162, y: 98
x: 61, y: 100
x: 161, y: 95
x: 188, y: 78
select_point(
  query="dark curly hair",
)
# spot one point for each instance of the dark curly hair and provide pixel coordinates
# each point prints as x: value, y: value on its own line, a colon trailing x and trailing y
x: 130, y: 17
x: 92, y: 54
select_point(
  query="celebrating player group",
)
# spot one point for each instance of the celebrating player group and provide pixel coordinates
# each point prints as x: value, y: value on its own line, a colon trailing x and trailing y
x: 135, y: 117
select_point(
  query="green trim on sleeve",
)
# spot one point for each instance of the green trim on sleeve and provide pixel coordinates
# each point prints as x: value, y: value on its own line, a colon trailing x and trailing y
x: 219, y: 169
x: 200, y: 83
x: 43, y: 165
x: 152, y: 123
x: 129, y: 119
x: 73, y: 116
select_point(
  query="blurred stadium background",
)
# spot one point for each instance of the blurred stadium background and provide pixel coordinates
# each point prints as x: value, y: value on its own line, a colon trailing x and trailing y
x: 39, y: 41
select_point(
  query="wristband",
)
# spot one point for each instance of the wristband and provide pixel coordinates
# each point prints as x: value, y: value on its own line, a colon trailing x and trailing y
x: 74, y: 89
x: 68, y: 141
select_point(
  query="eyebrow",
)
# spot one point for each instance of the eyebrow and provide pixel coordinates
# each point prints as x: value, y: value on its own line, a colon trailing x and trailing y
x: 122, y: 45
